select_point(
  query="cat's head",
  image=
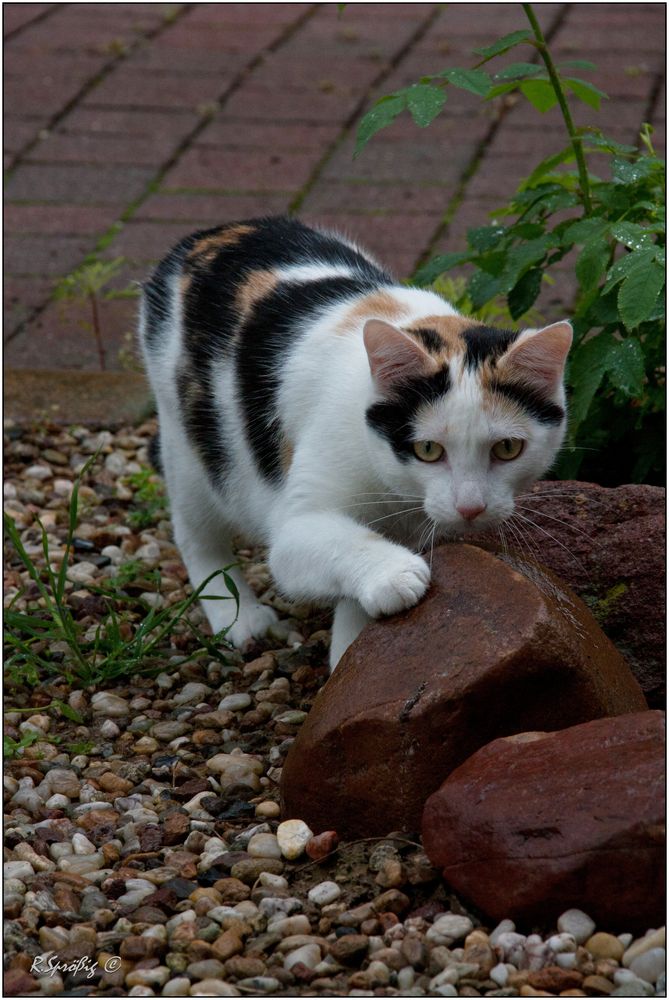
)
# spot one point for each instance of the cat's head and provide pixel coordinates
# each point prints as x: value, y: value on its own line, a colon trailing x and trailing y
x: 466, y: 416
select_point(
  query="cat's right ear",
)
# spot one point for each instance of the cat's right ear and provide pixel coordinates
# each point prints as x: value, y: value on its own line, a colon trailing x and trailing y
x: 394, y: 357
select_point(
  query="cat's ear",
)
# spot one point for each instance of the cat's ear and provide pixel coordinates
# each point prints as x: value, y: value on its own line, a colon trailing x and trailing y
x: 538, y: 356
x: 394, y: 357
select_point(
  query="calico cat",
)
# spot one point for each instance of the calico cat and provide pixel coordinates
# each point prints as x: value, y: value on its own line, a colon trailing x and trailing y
x: 311, y: 403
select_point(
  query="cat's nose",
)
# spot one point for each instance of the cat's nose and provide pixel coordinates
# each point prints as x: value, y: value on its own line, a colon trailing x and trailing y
x: 472, y: 511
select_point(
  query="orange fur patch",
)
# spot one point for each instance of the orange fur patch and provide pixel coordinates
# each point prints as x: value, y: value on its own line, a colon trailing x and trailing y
x: 206, y: 249
x: 257, y: 286
x: 286, y: 455
x: 376, y: 305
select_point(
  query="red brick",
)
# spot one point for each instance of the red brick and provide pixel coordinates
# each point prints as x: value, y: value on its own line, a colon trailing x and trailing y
x: 129, y: 122
x: 179, y: 62
x: 406, y: 236
x: 61, y: 337
x: 144, y: 90
x: 17, y: 15
x: 76, y: 184
x: 20, y: 62
x: 408, y: 199
x: 630, y: 36
x: 22, y: 295
x: 239, y: 171
x: 18, y: 132
x: 314, y: 71
x: 235, y: 133
x: 146, y: 242
x: 246, y: 39
x: 293, y: 105
x: 104, y: 149
x: 65, y: 33
x: 40, y: 97
x: 58, y: 220
x: 44, y: 255
x: 225, y: 14
x: 200, y: 211
x: 421, y: 161
x: 498, y: 177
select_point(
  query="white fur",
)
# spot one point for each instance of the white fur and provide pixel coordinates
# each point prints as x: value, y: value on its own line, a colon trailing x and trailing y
x: 339, y: 527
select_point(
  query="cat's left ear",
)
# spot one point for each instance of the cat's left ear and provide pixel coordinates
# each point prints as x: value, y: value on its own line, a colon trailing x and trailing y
x: 539, y: 356
x: 394, y: 357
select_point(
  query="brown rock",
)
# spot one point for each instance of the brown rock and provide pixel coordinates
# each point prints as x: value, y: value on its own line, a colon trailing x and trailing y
x: 104, y: 818
x: 490, y: 651
x: 17, y: 983
x: 175, y: 828
x: 322, y: 844
x: 114, y: 783
x: 242, y: 967
x: 608, y: 545
x: 232, y: 890
x: 135, y: 947
x: 597, y: 986
x: 350, y: 949
x: 534, y: 824
x: 555, y: 979
x: 227, y: 945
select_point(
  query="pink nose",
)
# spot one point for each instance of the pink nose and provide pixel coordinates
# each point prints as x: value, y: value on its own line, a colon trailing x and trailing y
x: 471, y: 513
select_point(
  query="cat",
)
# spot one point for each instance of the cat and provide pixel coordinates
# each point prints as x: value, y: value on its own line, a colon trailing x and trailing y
x: 311, y: 403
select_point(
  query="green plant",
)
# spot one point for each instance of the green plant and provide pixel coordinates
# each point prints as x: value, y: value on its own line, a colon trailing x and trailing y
x: 121, y: 644
x: 615, y: 229
x: 88, y: 283
x: 149, y: 499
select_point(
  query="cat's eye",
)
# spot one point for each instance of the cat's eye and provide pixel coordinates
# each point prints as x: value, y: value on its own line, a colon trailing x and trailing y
x: 508, y: 449
x: 428, y: 451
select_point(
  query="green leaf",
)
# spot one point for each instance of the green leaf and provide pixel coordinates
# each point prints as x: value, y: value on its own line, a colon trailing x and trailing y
x: 524, y: 294
x: 600, y: 141
x: 380, y: 116
x: 67, y: 710
x: 518, y: 71
x: 481, y: 288
x: 585, y: 91
x: 425, y: 102
x: 444, y: 262
x: 632, y: 235
x: 583, y: 230
x: 521, y: 258
x: 540, y: 94
x: 502, y: 88
x: 474, y: 80
x: 639, y: 292
x: 504, y: 44
x: 592, y: 261
x: 577, y: 64
x: 624, y: 172
x: 565, y: 155
x: 629, y: 262
x: 625, y: 367
x: 586, y: 371
x: 485, y: 238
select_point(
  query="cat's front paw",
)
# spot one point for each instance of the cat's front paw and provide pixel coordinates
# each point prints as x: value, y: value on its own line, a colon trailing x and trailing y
x: 395, y: 585
x: 252, y: 622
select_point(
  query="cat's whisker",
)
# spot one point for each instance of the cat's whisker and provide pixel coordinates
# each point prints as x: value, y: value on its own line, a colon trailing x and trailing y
x: 559, y: 520
x: 396, y: 513
x: 434, y: 529
x: 523, y: 543
x: 554, y: 539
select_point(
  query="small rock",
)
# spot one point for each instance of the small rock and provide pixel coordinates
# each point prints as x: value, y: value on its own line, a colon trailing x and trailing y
x: 264, y: 845
x: 268, y: 810
x: 602, y: 945
x: 350, y: 949
x: 293, y: 835
x: 322, y: 844
x: 597, y: 986
x: 449, y: 928
x: 577, y: 923
x: 169, y: 730
x: 213, y: 988
x: 308, y: 955
x: 109, y: 730
x: 324, y: 893
x: 82, y: 572
x: 655, y: 939
x: 106, y: 703
x: 235, y: 702
x: 649, y: 964
x: 18, y: 869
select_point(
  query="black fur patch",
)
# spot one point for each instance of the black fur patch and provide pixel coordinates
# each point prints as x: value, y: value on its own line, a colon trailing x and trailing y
x: 532, y: 401
x: 393, y: 418
x: 430, y: 339
x: 156, y: 290
x: 484, y: 343
x: 263, y: 342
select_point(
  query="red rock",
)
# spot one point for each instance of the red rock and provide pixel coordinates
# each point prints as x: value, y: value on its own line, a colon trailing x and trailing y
x: 609, y: 546
x: 488, y: 652
x: 322, y: 844
x: 17, y: 983
x: 537, y: 823
x: 175, y: 828
x: 554, y: 979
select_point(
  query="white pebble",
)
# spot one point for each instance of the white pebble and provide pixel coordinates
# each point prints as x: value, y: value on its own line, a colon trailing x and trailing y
x: 264, y: 845
x: 649, y: 964
x: 308, y: 954
x: 109, y: 730
x: 106, y: 703
x: 293, y: 836
x: 499, y: 974
x: 272, y: 881
x: 81, y: 845
x: 191, y: 693
x: 577, y: 923
x: 502, y: 928
x: 324, y: 893
x: 561, y: 942
x: 40, y: 472
x: 448, y: 928
x: 566, y: 960
x: 234, y: 702
x: 406, y: 977
x: 18, y: 869
x: 178, y: 987
x: 148, y: 553
x: 114, y: 553
x: 82, y: 572
x: 653, y: 939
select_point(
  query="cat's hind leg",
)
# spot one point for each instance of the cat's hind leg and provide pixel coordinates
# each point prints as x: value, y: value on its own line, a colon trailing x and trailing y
x: 205, y: 542
x: 349, y: 620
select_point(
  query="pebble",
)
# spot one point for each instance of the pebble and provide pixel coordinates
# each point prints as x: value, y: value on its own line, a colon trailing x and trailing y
x: 324, y: 893
x: 649, y: 964
x: 264, y: 845
x: 191, y: 693
x: 655, y: 939
x: 448, y: 928
x: 82, y: 572
x: 18, y: 869
x: 602, y: 945
x: 268, y: 810
x: 234, y: 703
x: 577, y: 923
x: 308, y: 955
x: 293, y: 835
x: 106, y: 703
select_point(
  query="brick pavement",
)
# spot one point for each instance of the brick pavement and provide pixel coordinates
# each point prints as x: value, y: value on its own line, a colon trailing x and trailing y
x: 128, y: 125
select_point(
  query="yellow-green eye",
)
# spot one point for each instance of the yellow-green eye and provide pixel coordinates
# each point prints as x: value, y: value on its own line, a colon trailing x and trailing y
x: 508, y: 449
x: 428, y: 451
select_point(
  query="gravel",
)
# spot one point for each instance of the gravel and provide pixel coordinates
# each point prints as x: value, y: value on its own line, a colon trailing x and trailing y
x: 143, y: 832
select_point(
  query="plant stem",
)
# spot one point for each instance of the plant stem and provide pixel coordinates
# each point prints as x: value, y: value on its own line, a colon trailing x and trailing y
x: 576, y: 141
x: 96, y: 329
